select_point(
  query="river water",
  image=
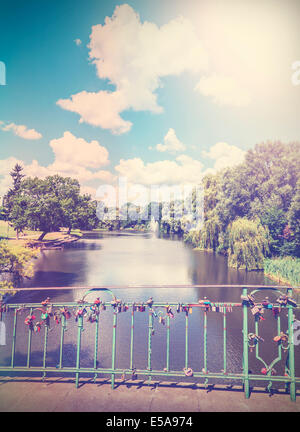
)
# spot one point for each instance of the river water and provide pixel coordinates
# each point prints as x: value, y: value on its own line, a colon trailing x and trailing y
x: 125, y: 258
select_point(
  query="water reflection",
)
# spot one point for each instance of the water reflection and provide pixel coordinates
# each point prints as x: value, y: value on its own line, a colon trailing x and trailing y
x: 128, y: 259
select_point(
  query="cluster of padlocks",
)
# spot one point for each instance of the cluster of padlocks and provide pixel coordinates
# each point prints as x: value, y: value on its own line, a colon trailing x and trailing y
x: 93, y: 311
x: 258, y: 310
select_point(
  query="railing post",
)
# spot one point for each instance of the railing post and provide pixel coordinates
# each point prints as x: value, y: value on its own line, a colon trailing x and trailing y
x: 14, y: 339
x: 186, y: 339
x: 96, y: 346
x: 131, y: 339
x: 224, y: 343
x: 113, y: 357
x: 291, y: 354
x: 168, y: 344
x: 79, y: 330
x: 245, y: 347
x: 150, y: 329
x: 205, y: 341
x: 45, y: 351
x: 62, y: 333
x: 29, y: 343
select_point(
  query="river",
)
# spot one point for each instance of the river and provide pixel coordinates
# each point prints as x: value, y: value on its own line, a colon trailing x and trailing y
x: 126, y: 258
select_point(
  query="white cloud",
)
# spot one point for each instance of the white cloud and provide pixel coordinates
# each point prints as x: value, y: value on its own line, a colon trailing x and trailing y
x: 224, y: 90
x: 224, y: 155
x: 246, y: 48
x: 99, y: 109
x: 171, y: 143
x: 184, y: 170
x: 73, y: 157
x: 78, y: 42
x: 134, y: 56
x: 22, y: 131
x: 79, y: 152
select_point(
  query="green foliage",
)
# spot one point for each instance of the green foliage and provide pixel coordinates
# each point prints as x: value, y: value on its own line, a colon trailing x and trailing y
x: 265, y: 186
x: 294, y: 219
x: 16, y: 261
x: 192, y: 237
x: 50, y: 203
x: 286, y: 270
x: 4, y: 286
x: 248, y: 244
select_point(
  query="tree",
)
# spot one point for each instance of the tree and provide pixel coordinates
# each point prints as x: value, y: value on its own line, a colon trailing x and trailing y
x: 12, y: 199
x: 248, y: 244
x: 50, y: 203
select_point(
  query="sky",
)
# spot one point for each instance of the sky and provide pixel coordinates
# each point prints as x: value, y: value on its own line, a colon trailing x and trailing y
x: 155, y: 91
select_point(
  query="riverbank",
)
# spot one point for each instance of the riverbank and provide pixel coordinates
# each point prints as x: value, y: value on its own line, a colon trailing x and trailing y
x: 30, y: 238
x: 284, y: 270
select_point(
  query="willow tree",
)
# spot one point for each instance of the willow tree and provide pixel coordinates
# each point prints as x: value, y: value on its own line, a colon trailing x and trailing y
x: 209, y: 235
x: 248, y: 244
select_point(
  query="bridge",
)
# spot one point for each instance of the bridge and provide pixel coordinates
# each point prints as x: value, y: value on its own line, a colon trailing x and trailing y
x: 24, y: 322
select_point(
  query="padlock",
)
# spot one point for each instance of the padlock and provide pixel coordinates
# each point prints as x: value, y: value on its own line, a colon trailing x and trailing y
x: 57, y: 316
x: 292, y: 302
x: 169, y: 311
x: 276, y: 311
x: 29, y: 321
x: 188, y: 372
x: 66, y: 313
x: 282, y: 337
x: 255, y: 310
x: 282, y: 300
x: 265, y: 303
x: 80, y: 313
x: 150, y: 302
x: 37, y: 327
x: 161, y: 320
x: 46, y: 318
x: 250, y: 298
x: 186, y: 310
x: 92, y: 317
x: 45, y: 302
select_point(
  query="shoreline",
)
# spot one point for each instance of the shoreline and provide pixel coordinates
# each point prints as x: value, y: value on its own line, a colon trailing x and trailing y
x: 52, y: 244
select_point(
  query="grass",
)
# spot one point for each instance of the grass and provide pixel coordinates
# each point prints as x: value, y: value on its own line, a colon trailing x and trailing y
x: 286, y: 270
x: 7, y: 232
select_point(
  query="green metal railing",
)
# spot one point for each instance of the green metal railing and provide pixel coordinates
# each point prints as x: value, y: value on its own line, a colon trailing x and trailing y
x: 163, y: 312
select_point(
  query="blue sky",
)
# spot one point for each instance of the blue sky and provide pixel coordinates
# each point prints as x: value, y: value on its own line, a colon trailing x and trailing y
x: 207, y: 86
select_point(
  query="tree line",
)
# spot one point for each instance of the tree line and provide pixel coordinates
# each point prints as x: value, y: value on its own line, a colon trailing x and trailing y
x: 251, y: 211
